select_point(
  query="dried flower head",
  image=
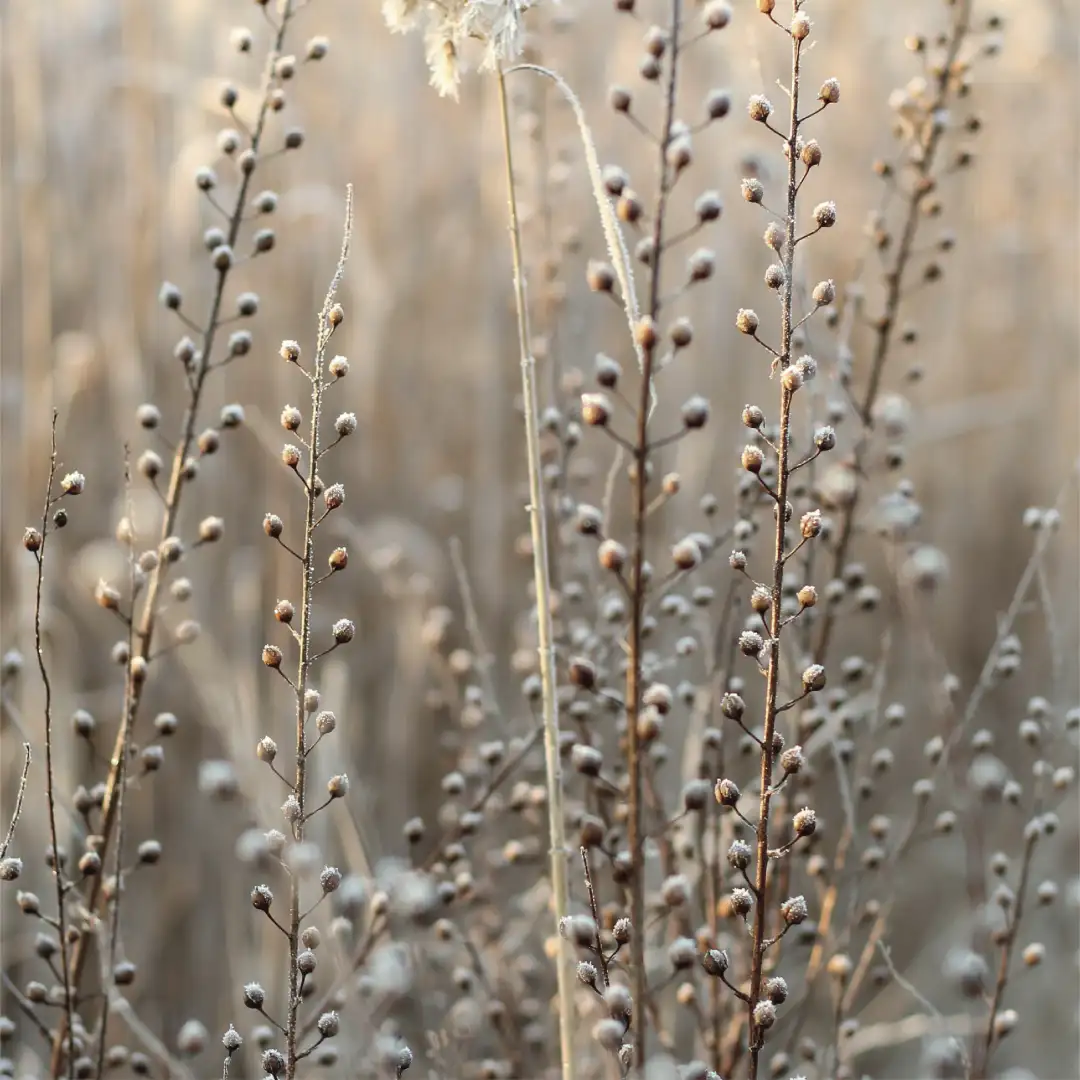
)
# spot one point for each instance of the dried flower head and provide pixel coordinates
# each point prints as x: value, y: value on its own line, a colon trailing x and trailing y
x: 448, y: 25
x: 759, y: 108
x: 73, y: 484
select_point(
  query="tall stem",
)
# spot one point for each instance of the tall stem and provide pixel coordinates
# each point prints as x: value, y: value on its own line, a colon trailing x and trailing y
x: 306, y: 657
x: 118, y: 846
x: 50, y: 781
x: 761, y: 868
x: 1007, y: 950
x: 542, y: 581
x: 303, y: 669
x: 635, y: 832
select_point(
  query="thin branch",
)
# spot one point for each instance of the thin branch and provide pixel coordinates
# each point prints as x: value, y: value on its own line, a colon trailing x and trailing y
x: 911, y: 989
x: 472, y: 622
x: 50, y: 772
x: 595, y: 909
x: 118, y: 851
x: 17, y: 813
x: 25, y: 1006
x: 1007, y: 949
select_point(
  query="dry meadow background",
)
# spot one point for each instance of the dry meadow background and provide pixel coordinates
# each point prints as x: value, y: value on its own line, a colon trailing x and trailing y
x: 108, y: 108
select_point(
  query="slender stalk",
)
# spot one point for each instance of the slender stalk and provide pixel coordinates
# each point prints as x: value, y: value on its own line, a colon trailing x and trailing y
x: 303, y: 667
x: 595, y: 909
x: 118, y: 850
x: 189, y: 431
x: 761, y: 867
x: 640, y: 450
x: 306, y: 655
x: 545, y: 637
x: 25, y: 1007
x: 50, y: 775
x: 20, y: 795
x: 1007, y: 950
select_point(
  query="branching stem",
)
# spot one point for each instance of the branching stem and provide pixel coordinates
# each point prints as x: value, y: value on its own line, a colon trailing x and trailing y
x: 783, y: 468
x: 50, y: 780
x: 635, y: 834
x: 306, y: 657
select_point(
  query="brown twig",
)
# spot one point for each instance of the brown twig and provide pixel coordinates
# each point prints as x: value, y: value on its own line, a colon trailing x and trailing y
x: 19, y: 796
x: 1007, y: 948
x: 50, y: 773
x: 775, y: 625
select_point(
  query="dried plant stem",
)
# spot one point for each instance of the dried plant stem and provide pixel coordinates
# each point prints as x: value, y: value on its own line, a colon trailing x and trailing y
x: 189, y: 430
x: 986, y: 681
x: 25, y: 1006
x: 114, y: 915
x: 506, y: 770
x: 545, y: 636
x: 594, y: 908
x: 894, y: 284
x: 910, y: 988
x: 19, y: 796
x: 356, y: 962
x: 635, y: 831
x: 306, y: 655
x: 50, y: 774
x: 772, y: 686
x: 118, y: 848
x: 472, y: 626
x: 115, y: 1002
x: 613, y: 237
x: 1008, y: 947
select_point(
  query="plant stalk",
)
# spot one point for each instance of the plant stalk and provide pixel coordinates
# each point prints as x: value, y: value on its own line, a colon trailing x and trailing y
x: 307, y: 657
x: 641, y: 448
x: 50, y: 786
x: 761, y: 868
x: 542, y: 579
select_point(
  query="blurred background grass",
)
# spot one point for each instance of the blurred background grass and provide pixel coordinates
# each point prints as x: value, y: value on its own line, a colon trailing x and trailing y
x: 109, y: 107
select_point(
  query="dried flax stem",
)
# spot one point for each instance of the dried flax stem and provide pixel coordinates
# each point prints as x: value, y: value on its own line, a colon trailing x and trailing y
x: 545, y: 636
